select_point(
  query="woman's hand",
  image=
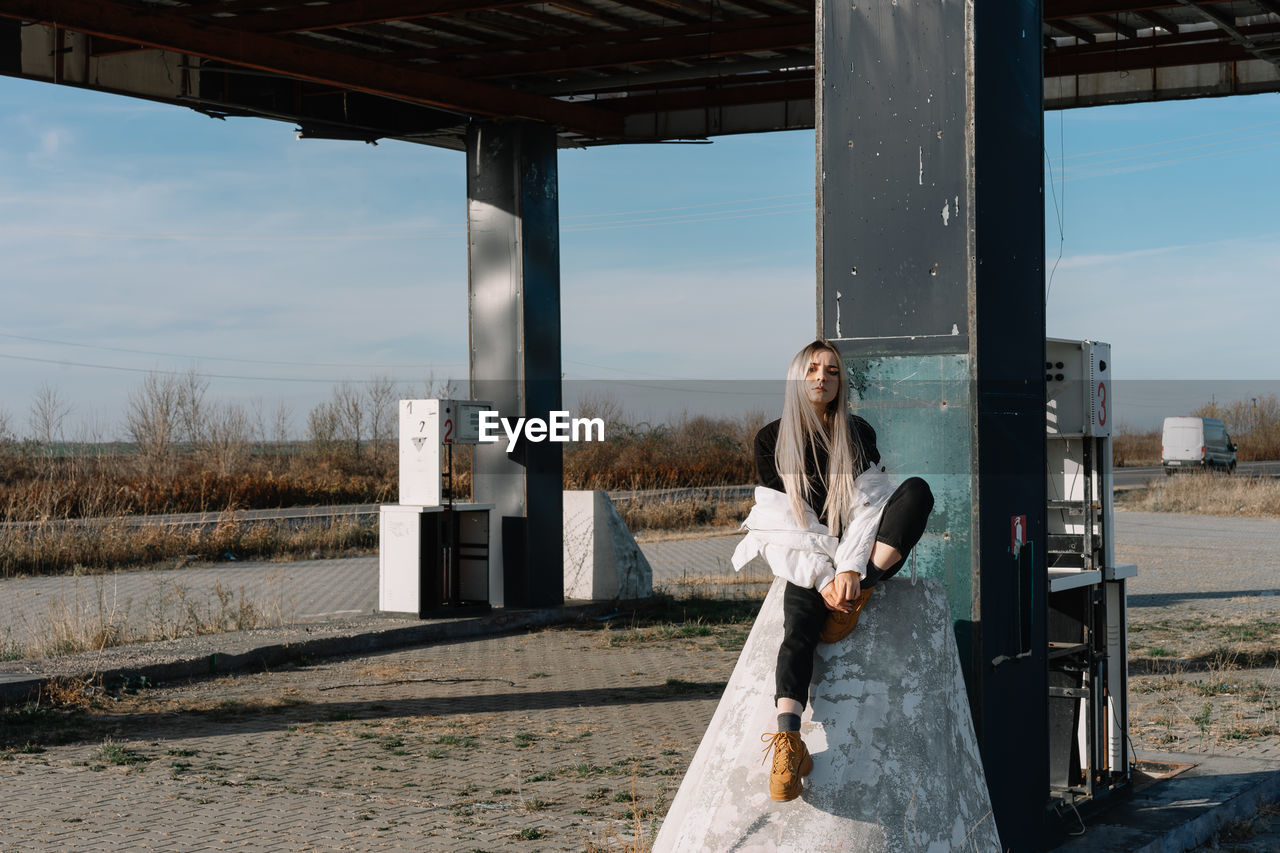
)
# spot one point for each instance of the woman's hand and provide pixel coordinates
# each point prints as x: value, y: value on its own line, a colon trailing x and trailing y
x: 840, y: 593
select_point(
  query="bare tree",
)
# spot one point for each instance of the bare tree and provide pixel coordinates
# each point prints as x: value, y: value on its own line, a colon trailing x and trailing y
x: 227, y: 435
x: 273, y: 426
x: 48, y: 413
x: 191, y: 388
x: 8, y: 441
x: 348, y: 405
x: 432, y: 389
x: 153, y: 417
x: 281, y: 424
x: 380, y: 395
x: 323, y: 428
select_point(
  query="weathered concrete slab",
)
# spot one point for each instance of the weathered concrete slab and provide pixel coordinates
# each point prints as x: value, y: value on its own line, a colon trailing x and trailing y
x: 896, y: 763
x: 601, y: 558
x: 1180, y: 812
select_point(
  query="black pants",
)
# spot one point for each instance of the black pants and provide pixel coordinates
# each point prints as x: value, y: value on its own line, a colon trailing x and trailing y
x: 803, y: 609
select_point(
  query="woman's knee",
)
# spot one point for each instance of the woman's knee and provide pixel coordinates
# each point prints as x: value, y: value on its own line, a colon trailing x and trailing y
x: 918, y: 493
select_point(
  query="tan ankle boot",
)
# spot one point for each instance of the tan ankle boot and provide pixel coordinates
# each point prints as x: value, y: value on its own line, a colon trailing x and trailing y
x: 791, y: 763
x: 838, y: 625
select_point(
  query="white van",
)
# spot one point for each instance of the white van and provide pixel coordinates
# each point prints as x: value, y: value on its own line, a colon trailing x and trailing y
x: 1196, y: 444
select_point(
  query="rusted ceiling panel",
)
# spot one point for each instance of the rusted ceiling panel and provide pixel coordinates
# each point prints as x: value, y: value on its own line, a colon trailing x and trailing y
x: 600, y: 70
x: 268, y: 53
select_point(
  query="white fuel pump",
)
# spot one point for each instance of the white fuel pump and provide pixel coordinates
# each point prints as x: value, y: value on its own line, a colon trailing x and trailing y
x: 433, y: 551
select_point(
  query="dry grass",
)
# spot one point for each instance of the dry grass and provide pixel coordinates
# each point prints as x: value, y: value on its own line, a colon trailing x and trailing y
x: 1135, y: 449
x: 641, y: 834
x: 1206, y: 493
x: 45, y: 484
x: 1197, y: 683
x: 682, y: 513
x: 101, y: 619
x: 62, y: 548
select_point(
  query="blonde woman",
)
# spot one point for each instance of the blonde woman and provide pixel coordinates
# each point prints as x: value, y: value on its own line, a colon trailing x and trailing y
x: 828, y: 520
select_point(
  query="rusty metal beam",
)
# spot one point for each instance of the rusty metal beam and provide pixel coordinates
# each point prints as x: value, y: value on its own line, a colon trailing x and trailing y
x: 1060, y: 9
x: 546, y: 19
x: 597, y: 36
x: 1063, y: 62
x: 1227, y: 24
x: 1155, y: 19
x: 591, y: 13
x: 351, y: 14
x: 304, y: 62
x: 682, y: 75
x: 710, y: 97
x: 1115, y: 25
x: 754, y: 6
x: 1258, y: 32
x: 623, y: 51
x: 652, y: 7
x: 1073, y: 30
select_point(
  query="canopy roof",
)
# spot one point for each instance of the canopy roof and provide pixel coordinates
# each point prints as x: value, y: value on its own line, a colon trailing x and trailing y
x: 602, y: 71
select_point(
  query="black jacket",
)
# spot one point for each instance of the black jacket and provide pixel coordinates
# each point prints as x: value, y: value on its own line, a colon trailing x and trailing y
x: 815, y: 464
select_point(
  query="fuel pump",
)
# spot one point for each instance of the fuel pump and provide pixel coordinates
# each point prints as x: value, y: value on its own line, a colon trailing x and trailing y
x: 1088, y: 669
x: 433, y: 551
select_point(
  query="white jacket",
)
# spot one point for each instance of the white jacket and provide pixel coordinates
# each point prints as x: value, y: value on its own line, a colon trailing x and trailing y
x: 809, y: 555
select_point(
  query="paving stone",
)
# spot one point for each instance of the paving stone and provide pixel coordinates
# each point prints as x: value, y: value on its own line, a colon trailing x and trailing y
x: 460, y: 745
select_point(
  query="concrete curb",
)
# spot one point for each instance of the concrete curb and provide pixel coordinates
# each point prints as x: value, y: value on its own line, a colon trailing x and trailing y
x: 1182, y: 812
x: 16, y: 689
x: 1201, y: 829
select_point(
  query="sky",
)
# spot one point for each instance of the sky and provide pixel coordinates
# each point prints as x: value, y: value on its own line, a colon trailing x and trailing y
x: 141, y: 237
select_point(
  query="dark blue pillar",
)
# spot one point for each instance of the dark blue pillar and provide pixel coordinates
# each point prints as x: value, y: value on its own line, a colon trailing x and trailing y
x: 514, y: 293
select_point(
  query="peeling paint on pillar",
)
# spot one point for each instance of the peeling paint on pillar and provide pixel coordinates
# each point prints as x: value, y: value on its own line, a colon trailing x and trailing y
x: 896, y: 764
x: 929, y: 137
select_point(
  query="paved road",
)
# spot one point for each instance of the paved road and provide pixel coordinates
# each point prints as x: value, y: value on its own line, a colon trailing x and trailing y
x: 1226, y: 564
x: 1141, y: 476
x: 534, y: 741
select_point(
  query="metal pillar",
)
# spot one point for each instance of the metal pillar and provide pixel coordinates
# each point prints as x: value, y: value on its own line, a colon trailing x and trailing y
x: 514, y: 294
x: 931, y: 279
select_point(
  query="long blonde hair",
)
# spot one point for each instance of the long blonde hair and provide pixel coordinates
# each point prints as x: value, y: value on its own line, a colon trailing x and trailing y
x: 803, y: 428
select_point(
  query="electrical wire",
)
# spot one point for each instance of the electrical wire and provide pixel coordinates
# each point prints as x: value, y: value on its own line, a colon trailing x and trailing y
x: 227, y: 358
x: 164, y: 372
x: 1060, y: 214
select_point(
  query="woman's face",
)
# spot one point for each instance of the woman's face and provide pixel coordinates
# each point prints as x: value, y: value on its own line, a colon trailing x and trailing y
x: 821, y: 380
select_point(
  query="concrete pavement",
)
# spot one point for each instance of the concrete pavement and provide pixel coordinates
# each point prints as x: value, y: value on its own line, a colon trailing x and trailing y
x: 551, y: 740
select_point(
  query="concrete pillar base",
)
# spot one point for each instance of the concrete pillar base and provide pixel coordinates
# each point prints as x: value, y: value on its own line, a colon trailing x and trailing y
x: 896, y: 763
x: 601, y: 557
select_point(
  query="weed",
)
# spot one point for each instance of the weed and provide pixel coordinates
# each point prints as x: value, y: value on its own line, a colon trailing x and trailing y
x: 120, y: 755
x: 529, y: 833
x: 1202, y: 719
